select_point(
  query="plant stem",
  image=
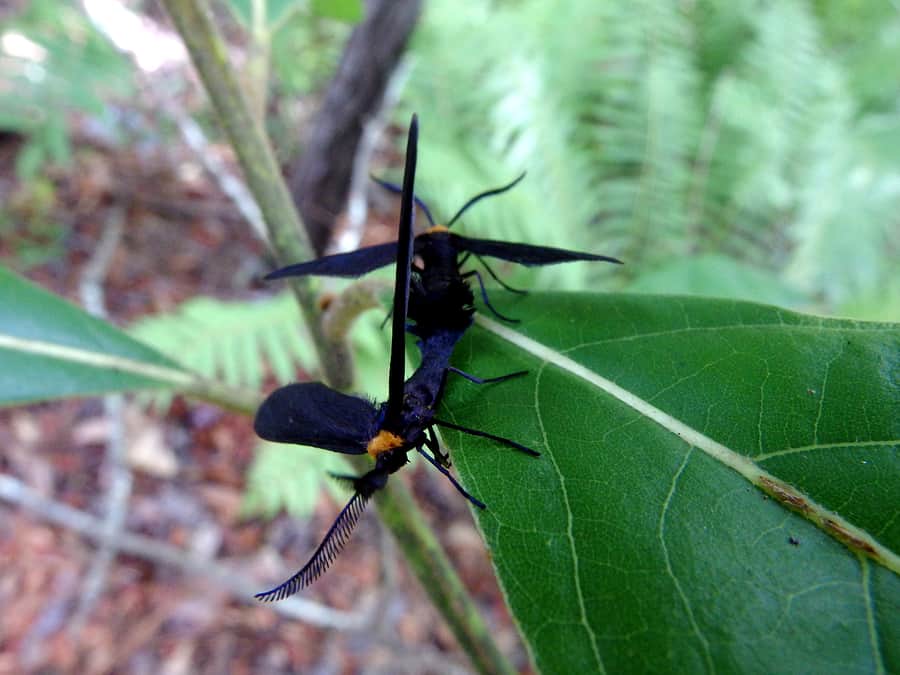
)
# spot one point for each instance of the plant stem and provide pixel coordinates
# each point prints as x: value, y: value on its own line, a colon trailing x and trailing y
x: 290, y: 243
x: 245, y: 132
x: 429, y: 563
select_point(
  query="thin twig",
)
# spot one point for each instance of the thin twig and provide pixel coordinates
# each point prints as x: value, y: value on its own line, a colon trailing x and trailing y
x: 115, y: 464
x: 15, y: 492
x: 230, y: 184
x: 288, y: 239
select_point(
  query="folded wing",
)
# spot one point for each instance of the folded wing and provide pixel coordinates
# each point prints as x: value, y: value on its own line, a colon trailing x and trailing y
x: 352, y: 264
x: 524, y: 254
x: 311, y: 413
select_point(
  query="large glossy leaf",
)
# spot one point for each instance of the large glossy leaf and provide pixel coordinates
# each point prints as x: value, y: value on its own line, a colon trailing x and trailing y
x: 52, y: 349
x: 719, y: 488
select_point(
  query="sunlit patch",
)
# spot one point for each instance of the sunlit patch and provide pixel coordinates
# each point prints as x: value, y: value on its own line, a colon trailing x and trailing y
x: 20, y: 47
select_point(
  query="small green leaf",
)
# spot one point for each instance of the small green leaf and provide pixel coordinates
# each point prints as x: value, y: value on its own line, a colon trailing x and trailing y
x: 718, y: 489
x: 348, y: 11
x: 52, y: 349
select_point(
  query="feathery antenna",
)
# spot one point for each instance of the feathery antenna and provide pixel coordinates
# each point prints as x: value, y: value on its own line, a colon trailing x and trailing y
x: 328, y: 550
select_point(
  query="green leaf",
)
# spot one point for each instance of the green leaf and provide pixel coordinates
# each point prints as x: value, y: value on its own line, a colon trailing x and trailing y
x: 231, y: 339
x: 717, y: 491
x: 348, y: 11
x: 277, y: 11
x: 52, y: 349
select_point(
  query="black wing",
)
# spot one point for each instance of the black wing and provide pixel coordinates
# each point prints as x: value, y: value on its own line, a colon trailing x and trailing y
x: 310, y: 413
x: 352, y: 264
x: 524, y: 254
x: 397, y: 374
x: 328, y: 550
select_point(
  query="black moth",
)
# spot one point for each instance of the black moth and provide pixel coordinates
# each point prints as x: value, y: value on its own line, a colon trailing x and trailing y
x: 439, y: 301
x: 438, y: 247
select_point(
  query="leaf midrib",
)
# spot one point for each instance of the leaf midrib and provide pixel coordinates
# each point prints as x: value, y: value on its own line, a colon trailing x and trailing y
x: 845, y: 328
x: 96, y: 359
x: 827, y: 520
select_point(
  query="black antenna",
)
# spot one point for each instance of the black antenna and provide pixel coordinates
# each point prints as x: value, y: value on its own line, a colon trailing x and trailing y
x: 482, y: 195
x: 396, y: 189
x: 396, y: 376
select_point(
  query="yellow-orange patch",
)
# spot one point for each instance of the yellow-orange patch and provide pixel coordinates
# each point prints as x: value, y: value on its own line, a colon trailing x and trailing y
x: 383, y: 442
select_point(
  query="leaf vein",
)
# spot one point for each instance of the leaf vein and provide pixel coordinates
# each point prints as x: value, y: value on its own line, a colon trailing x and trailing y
x: 865, y: 568
x: 661, y: 533
x: 569, y: 526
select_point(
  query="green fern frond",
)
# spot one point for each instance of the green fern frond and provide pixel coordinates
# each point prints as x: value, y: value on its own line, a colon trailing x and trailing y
x: 655, y: 131
x: 232, y: 340
x: 288, y: 478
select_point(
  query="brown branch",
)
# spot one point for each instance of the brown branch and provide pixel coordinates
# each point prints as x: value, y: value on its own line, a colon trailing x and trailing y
x: 320, y: 178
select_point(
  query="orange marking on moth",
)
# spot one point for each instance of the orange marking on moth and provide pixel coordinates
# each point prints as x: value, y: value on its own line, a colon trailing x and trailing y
x: 383, y: 442
x: 437, y: 228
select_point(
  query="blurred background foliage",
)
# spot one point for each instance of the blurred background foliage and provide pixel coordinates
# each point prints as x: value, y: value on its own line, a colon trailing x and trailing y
x: 719, y: 147
x: 740, y: 148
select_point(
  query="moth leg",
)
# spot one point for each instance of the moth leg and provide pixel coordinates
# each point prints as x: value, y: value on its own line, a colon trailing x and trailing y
x: 484, y: 296
x: 431, y: 442
x: 480, y: 504
x: 344, y: 479
x: 387, y: 317
x: 484, y: 434
x: 490, y: 271
x: 500, y: 281
x: 486, y: 380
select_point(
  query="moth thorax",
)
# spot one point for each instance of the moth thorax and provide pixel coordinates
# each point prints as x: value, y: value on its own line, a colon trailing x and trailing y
x: 437, y: 228
x: 384, y: 441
